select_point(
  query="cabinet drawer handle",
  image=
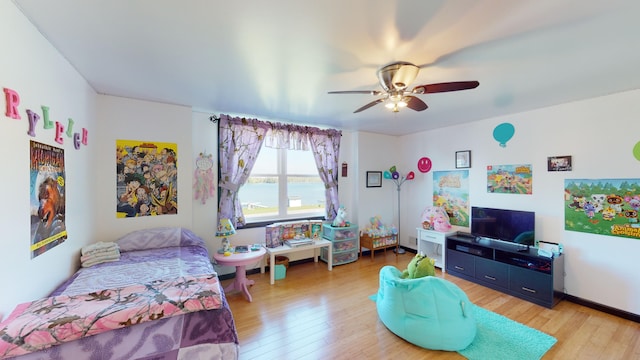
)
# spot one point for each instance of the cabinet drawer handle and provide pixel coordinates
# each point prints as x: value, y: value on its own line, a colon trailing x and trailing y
x: 529, y: 290
x: 490, y: 277
x: 459, y: 268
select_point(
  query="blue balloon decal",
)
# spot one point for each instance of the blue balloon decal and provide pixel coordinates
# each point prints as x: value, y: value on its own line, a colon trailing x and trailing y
x: 503, y: 133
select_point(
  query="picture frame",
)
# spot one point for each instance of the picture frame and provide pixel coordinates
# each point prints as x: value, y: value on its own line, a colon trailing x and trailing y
x: 374, y: 179
x: 463, y: 159
x: 559, y: 163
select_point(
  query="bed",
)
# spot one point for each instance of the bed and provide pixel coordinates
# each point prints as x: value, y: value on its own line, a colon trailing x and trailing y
x: 160, y: 300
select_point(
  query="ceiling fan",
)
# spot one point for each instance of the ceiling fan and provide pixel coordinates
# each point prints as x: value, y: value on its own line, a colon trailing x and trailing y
x: 395, y: 78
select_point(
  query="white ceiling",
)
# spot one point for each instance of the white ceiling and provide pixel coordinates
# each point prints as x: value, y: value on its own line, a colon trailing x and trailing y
x: 277, y: 59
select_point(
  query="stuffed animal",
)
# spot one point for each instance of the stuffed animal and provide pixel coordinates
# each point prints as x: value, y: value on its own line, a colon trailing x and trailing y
x: 420, y: 266
x: 340, y: 219
x: 435, y: 218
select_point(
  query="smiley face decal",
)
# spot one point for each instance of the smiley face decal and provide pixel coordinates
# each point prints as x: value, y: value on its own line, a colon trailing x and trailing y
x: 424, y: 164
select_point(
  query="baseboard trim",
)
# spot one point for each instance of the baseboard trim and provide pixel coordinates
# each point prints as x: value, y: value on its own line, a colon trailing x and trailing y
x: 604, y: 308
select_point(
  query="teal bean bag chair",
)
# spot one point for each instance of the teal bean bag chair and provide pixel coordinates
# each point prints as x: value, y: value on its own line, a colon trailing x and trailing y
x: 430, y: 312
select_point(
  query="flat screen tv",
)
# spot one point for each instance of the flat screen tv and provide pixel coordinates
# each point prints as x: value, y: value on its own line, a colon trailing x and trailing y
x: 507, y: 225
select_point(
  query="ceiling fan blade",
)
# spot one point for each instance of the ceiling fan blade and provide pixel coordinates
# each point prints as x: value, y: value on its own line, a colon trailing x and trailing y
x: 370, y: 92
x: 374, y: 102
x: 445, y: 87
x: 415, y: 104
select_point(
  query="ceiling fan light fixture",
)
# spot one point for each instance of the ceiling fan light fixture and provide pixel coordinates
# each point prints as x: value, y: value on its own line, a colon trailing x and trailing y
x: 402, y: 103
x: 389, y: 105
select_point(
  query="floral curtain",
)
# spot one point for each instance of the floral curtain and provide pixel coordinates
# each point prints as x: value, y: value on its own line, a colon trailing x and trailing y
x: 239, y: 142
x: 326, y: 150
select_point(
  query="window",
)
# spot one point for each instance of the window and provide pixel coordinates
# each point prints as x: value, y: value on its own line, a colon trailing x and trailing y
x: 284, y: 184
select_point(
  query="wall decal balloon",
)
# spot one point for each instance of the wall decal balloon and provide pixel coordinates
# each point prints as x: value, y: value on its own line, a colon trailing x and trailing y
x: 636, y: 151
x: 503, y: 133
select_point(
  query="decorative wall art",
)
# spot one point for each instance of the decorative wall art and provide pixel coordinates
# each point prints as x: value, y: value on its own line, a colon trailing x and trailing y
x: 146, y: 178
x: 203, y: 179
x: 602, y: 206
x: 463, y: 159
x: 47, y: 198
x: 559, y: 163
x: 503, y: 133
x: 451, y: 192
x: 374, y: 179
x: 510, y: 179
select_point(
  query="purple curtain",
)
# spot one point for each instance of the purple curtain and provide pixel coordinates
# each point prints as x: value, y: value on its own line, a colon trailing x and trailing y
x: 326, y: 150
x: 240, y: 141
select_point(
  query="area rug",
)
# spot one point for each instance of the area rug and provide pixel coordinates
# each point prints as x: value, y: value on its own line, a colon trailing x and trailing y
x: 499, y: 337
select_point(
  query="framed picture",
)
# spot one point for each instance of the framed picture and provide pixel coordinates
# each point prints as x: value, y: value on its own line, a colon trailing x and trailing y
x: 463, y: 159
x: 374, y: 179
x: 559, y: 163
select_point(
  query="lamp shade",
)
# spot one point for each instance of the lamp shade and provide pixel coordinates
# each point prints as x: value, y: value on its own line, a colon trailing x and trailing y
x: 225, y: 228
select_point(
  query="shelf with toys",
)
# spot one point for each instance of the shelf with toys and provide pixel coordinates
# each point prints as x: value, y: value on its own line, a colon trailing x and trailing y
x: 377, y: 236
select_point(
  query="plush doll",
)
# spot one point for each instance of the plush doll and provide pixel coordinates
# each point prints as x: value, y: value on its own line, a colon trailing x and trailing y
x: 420, y: 266
x: 340, y: 219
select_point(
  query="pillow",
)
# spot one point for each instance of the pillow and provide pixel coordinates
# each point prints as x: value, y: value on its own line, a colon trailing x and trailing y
x: 161, y: 237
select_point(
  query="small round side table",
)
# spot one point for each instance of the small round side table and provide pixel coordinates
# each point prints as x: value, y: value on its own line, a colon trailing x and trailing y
x: 240, y: 261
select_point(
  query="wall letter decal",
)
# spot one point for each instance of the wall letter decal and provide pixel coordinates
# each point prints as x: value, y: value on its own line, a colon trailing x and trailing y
x: 70, y: 128
x: 33, y: 119
x: 46, y: 124
x: 85, y: 134
x: 76, y: 141
x: 13, y: 100
x: 59, y: 131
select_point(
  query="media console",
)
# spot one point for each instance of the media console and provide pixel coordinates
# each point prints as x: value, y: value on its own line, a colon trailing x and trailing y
x: 511, y: 268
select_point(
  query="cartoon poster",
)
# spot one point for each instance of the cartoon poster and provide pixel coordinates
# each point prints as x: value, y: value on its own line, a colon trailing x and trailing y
x: 47, y: 198
x: 147, y: 178
x: 451, y: 192
x: 603, y: 206
x: 510, y: 179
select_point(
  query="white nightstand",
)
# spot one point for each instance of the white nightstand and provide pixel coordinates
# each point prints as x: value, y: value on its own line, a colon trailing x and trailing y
x: 432, y: 243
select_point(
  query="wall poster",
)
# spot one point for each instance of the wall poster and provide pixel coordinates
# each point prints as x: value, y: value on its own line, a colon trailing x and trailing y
x: 602, y: 206
x: 146, y: 178
x: 47, y: 198
x: 451, y: 192
x: 510, y: 179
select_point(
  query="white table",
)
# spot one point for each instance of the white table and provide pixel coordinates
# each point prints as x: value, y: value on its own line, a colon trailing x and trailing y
x: 434, y: 244
x: 286, y: 249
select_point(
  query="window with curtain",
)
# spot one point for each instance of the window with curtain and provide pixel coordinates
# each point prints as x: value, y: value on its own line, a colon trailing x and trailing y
x: 284, y: 184
x: 274, y: 171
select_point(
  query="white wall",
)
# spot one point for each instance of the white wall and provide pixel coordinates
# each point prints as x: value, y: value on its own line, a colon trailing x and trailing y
x: 598, y: 133
x: 127, y: 119
x: 33, y: 68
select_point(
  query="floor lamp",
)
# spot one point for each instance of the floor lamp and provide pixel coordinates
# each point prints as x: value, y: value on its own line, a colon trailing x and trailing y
x: 394, y: 175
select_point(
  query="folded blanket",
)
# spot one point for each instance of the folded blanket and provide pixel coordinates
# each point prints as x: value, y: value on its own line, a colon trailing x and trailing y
x: 98, y: 246
x: 100, y: 254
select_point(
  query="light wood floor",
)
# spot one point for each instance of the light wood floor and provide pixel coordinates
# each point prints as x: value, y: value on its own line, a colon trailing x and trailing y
x: 316, y: 314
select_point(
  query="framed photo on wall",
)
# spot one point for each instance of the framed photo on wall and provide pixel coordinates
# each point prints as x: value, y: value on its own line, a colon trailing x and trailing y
x: 559, y: 163
x: 463, y: 159
x: 374, y: 179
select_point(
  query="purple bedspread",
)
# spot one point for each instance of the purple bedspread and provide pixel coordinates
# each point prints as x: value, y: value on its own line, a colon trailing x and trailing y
x: 209, y: 334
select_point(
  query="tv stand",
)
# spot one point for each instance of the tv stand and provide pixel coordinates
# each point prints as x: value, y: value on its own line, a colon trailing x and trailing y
x: 506, y: 267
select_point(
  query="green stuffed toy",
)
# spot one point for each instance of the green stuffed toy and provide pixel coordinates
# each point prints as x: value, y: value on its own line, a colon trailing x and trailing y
x: 420, y: 266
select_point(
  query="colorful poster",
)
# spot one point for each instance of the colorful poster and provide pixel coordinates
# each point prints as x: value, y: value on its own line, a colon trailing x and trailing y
x: 146, y: 178
x: 510, y: 179
x: 603, y: 206
x: 47, y: 198
x: 451, y: 192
